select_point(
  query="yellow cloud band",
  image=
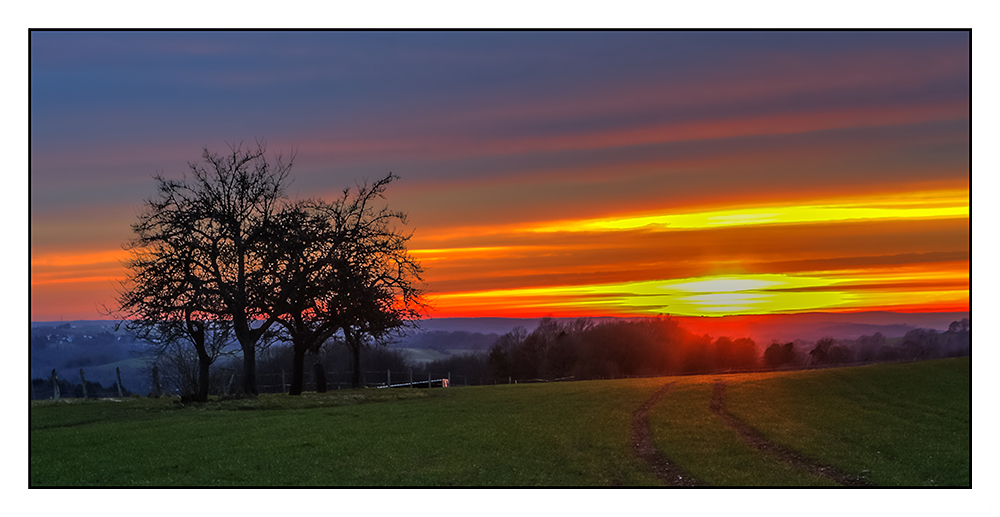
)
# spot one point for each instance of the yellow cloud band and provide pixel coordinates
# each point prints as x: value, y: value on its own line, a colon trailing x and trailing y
x: 718, y: 295
x: 761, y: 215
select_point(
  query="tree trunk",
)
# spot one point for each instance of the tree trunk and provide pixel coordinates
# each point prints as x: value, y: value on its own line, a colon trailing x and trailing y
x: 354, y: 344
x: 247, y: 338
x: 250, y: 370
x: 197, y: 331
x: 320, y: 375
x: 356, y: 361
x: 298, y: 360
x: 204, y: 362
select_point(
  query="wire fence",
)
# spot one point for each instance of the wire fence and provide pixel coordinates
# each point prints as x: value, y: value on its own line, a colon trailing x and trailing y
x: 281, y: 382
x: 226, y: 381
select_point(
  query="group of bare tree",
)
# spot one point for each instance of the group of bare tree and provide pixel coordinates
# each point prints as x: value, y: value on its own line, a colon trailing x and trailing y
x: 584, y: 350
x: 581, y: 349
x: 224, y: 254
x: 916, y: 344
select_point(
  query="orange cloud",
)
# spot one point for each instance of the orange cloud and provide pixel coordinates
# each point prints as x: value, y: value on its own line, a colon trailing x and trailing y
x: 905, y: 251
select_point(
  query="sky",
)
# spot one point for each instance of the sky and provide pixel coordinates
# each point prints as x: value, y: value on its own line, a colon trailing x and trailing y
x: 544, y: 173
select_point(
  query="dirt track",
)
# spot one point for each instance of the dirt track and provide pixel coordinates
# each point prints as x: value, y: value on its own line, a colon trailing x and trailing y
x: 790, y: 457
x: 642, y: 442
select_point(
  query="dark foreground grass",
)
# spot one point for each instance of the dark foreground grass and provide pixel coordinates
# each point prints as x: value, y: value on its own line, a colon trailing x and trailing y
x: 898, y: 425
x: 553, y: 435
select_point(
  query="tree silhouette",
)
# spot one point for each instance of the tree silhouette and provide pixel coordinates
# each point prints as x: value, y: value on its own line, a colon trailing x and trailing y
x: 342, y: 267
x: 778, y: 354
x: 199, y: 246
x: 304, y: 274
x: 820, y: 353
x: 501, y: 354
x: 378, y: 281
x: 159, y: 303
x: 959, y: 326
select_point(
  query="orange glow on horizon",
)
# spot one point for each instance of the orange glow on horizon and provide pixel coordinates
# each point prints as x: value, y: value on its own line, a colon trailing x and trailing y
x: 920, y: 281
x: 935, y: 204
x: 726, y: 295
x: 612, y: 266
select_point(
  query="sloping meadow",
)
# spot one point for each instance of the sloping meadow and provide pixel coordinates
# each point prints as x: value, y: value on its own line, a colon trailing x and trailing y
x: 887, y: 425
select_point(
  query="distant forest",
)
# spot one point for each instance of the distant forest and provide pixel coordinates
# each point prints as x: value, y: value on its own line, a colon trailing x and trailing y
x: 660, y: 346
x: 555, y: 350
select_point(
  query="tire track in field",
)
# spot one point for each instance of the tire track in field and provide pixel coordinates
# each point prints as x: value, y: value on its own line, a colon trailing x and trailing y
x: 788, y: 456
x: 642, y: 443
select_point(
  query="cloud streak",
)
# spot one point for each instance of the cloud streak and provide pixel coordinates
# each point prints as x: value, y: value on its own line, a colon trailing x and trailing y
x: 543, y: 173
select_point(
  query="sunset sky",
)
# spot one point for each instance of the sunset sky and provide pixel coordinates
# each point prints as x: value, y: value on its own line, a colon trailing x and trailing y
x: 564, y: 174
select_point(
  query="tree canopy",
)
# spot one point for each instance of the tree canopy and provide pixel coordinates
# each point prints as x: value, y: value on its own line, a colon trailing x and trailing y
x: 343, y: 267
x: 224, y: 249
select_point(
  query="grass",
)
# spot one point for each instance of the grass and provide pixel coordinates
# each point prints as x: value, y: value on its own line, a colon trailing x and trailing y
x: 699, y: 442
x: 906, y: 424
x: 899, y: 424
x: 554, y: 435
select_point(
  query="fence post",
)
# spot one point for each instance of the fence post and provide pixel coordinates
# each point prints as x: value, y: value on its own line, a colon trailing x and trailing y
x: 428, y: 378
x: 449, y: 379
x: 411, y: 378
x: 118, y: 372
x: 83, y: 382
x: 388, y: 377
x: 55, y: 385
x: 283, y: 390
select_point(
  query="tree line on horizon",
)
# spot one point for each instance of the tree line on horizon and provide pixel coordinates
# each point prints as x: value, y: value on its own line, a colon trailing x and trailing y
x: 551, y: 352
x: 581, y: 350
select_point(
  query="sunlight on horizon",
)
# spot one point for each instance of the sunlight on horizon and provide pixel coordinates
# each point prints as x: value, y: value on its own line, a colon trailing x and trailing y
x: 937, y: 204
x: 713, y: 295
x: 708, y: 295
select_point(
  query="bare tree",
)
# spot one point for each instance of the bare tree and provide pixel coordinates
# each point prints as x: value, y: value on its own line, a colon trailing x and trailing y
x: 304, y: 271
x: 159, y: 304
x: 342, y: 267
x: 377, y: 282
x: 199, y: 250
x: 185, y: 354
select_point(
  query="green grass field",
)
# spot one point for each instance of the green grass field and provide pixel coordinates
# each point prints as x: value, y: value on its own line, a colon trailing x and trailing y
x: 906, y: 424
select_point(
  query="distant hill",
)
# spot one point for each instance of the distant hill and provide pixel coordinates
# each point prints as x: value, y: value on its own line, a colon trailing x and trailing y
x: 481, y: 325
x: 94, y: 344
x: 808, y: 326
x: 815, y: 325
x: 448, y: 340
x: 847, y: 323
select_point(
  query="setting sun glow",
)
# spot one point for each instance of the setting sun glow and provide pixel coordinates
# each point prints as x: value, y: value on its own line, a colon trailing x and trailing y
x: 706, y: 173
